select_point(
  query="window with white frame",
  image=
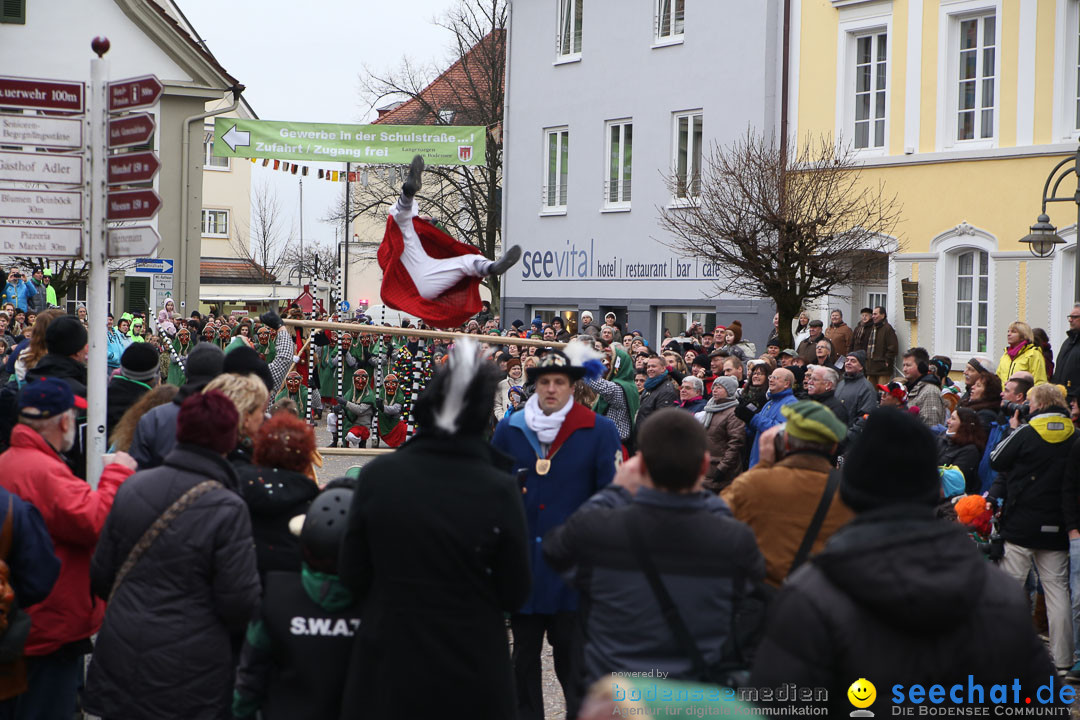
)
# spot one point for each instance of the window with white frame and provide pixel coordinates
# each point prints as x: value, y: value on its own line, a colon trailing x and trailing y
x: 620, y: 141
x: 687, y: 161
x: 570, y: 15
x: 870, y: 93
x: 670, y: 19
x: 671, y: 322
x: 976, y: 77
x: 209, y: 160
x: 557, y: 147
x: 215, y: 223
x: 972, y: 283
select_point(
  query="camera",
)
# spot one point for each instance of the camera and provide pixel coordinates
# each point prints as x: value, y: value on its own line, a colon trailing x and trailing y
x: 1010, y: 409
x: 994, y: 548
x: 779, y: 442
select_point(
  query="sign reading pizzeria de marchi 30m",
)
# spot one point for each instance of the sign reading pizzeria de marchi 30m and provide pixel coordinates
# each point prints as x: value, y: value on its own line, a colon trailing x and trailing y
x: 375, y: 144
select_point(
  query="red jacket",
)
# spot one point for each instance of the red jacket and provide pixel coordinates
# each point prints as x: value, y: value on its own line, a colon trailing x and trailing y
x: 449, y: 310
x: 74, y: 515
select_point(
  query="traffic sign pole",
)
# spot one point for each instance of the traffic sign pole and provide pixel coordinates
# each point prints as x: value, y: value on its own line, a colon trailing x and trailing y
x: 98, y: 281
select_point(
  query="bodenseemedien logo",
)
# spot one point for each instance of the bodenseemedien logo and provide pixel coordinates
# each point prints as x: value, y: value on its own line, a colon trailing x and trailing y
x: 862, y: 694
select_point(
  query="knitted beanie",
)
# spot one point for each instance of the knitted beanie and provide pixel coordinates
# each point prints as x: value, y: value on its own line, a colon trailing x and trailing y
x: 894, y: 461
x: 140, y: 362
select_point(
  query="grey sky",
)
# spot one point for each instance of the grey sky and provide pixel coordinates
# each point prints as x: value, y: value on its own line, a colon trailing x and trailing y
x: 302, y: 62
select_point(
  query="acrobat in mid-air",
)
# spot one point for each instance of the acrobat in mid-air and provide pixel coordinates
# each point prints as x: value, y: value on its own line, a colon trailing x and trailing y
x: 426, y: 272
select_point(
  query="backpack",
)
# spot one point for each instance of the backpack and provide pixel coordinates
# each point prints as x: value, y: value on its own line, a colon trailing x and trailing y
x: 986, y: 475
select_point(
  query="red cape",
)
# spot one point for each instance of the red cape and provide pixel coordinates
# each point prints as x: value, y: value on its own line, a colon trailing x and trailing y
x: 452, y: 308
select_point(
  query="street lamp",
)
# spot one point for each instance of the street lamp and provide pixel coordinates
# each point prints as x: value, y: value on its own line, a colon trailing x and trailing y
x: 1043, y: 236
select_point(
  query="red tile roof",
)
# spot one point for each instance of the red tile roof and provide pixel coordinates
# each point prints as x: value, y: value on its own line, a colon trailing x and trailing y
x: 233, y: 271
x: 457, y: 88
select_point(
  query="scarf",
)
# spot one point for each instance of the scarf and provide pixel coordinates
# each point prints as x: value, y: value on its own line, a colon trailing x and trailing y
x: 622, y: 374
x: 546, y: 427
x: 1015, y: 350
x: 712, y: 407
x: 654, y: 382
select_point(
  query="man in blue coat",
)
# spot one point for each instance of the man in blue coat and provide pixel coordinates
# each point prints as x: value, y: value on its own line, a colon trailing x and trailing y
x: 563, y: 454
x: 780, y: 394
x: 17, y: 291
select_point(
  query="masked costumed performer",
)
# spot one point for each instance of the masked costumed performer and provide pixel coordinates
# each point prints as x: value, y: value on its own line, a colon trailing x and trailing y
x: 426, y: 272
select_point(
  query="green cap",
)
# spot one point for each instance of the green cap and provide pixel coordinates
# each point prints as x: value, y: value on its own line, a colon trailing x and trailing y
x: 813, y: 422
x: 47, y: 272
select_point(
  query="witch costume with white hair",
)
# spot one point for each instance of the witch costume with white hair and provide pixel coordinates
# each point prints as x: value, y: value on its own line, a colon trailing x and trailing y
x: 436, y: 552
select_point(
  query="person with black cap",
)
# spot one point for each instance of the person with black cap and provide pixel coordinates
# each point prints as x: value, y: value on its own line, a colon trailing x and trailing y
x: 563, y: 454
x: 436, y: 552
x: 155, y: 435
x: 138, y: 375
x: 898, y: 596
x: 295, y: 658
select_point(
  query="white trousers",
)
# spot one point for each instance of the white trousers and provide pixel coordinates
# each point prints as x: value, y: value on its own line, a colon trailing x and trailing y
x: 1053, y: 567
x: 432, y: 276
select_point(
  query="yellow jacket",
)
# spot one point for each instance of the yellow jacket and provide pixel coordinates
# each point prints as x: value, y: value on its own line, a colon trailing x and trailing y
x: 1029, y: 359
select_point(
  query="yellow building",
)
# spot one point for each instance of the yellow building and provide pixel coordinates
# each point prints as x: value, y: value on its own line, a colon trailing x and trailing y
x: 962, y: 108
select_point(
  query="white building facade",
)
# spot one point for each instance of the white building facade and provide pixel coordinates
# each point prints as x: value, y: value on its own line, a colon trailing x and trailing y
x: 607, y: 102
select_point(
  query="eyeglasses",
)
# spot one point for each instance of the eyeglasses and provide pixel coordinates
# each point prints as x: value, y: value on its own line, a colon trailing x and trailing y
x: 1074, y: 317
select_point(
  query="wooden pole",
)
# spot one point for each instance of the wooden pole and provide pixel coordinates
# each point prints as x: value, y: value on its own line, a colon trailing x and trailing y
x: 354, y: 451
x: 416, y: 332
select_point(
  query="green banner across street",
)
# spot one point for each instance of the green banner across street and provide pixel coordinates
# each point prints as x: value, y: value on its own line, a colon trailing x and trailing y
x: 375, y: 144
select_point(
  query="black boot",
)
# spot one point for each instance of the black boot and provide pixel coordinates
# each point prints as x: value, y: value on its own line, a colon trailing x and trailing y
x: 506, y: 261
x: 413, y: 181
x: 334, y: 443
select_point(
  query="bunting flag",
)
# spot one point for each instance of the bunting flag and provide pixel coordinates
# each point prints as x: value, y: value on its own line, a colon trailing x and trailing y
x: 323, y: 174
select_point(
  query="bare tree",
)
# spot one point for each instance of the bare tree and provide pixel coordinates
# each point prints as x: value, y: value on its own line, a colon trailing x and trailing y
x: 465, y: 200
x: 790, y: 229
x: 318, y: 260
x: 269, y: 237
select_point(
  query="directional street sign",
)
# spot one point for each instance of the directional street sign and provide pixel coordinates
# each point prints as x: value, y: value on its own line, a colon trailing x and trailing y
x: 40, y: 204
x: 41, y: 94
x: 133, y: 241
x: 154, y: 265
x: 161, y: 282
x: 132, y: 205
x: 134, y: 93
x: 40, y: 240
x: 34, y: 131
x: 343, y: 306
x: 130, y: 130
x: 41, y: 168
x: 132, y: 168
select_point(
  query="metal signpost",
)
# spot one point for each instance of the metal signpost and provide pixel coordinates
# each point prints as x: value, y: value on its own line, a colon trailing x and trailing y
x: 51, y: 150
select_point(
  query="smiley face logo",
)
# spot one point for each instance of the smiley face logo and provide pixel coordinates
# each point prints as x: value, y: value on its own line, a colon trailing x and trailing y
x: 862, y: 694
